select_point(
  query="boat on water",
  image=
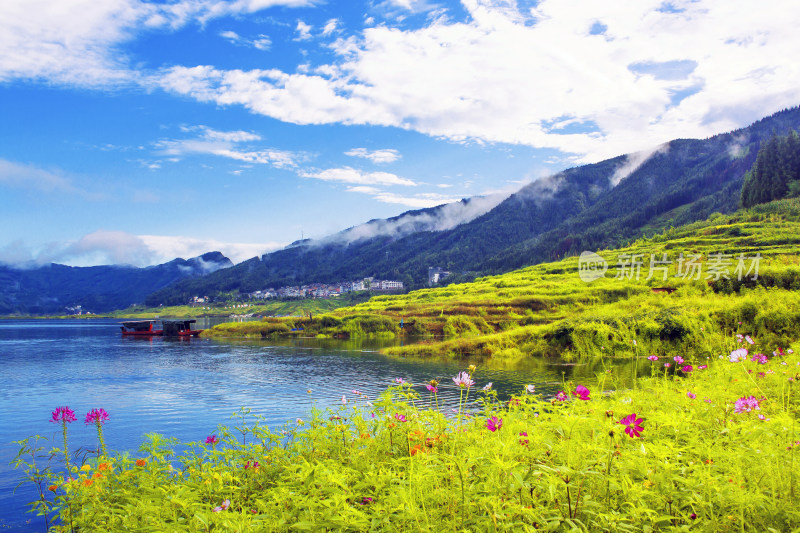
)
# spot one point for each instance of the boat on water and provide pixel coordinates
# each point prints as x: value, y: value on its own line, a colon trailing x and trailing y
x: 159, y: 328
x: 141, y: 328
x: 180, y: 328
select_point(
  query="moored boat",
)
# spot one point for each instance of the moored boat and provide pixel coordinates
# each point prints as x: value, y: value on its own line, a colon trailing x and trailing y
x: 143, y: 328
x: 180, y: 328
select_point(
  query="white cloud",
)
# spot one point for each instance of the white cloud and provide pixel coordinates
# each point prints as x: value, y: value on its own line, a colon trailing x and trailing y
x: 303, y: 31
x: 444, y: 217
x: 351, y: 175
x: 634, y: 160
x: 223, y: 144
x: 31, y: 177
x: 650, y: 75
x: 79, y: 42
x: 262, y: 42
x: 330, y: 27
x: 105, y: 247
x: 384, y: 156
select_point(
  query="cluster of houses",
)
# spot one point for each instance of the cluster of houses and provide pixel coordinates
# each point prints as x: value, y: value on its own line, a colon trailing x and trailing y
x: 326, y: 290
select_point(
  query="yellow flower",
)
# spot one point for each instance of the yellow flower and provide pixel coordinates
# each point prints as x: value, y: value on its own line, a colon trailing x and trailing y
x: 86, y: 468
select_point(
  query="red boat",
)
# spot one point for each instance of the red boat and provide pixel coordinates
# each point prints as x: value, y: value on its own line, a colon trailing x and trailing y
x: 141, y: 328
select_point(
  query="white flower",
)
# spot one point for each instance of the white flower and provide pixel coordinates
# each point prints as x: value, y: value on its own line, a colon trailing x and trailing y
x: 530, y: 389
x: 487, y: 387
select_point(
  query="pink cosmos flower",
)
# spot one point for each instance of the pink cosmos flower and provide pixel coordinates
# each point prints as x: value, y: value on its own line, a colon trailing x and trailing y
x: 691, y: 395
x: 652, y: 358
x: 399, y: 417
x: 530, y: 389
x: 399, y: 381
x: 344, y: 399
x: 96, y: 415
x: 702, y: 367
x: 64, y: 414
x: 213, y: 439
x: 487, y: 387
x: 494, y: 423
x: 678, y: 359
x: 523, y: 442
x: 667, y: 365
x: 223, y: 507
x: 633, y: 425
x: 463, y: 380
x: 432, y: 388
x: 366, y: 500
x: 687, y: 368
x: 581, y: 392
x: 737, y: 356
x: 745, y: 405
x: 748, y: 339
x: 562, y: 396
x: 760, y: 358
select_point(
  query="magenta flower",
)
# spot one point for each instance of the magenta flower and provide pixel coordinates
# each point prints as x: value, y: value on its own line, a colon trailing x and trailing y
x: 366, y: 500
x: 581, y: 392
x: 494, y: 423
x: 686, y: 369
x: 745, y: 405
x: 691, y: 395
x: 254, y: 464
x: 562, y: 396
x: 96, y: 416
x: 523, y: 442
x: 678, y: 359
x: 432, y: 388
x: 633, y: 425
x: 399, y: 381
x: 667, y: 365
x: 702, y: 367
x: 652, y: 358
x: 213, y: 440
x: 760, y: 358
x: 463, y: 380
x: 399, y: 417
x: 63, y: 414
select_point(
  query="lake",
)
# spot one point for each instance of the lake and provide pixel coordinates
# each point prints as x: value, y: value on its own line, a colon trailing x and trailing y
x: 186, y: 388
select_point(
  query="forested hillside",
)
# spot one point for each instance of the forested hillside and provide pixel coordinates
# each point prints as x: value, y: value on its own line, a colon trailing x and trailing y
x: 584, y: 208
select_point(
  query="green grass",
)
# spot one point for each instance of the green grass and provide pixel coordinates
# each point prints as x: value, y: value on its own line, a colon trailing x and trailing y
x: 546, y: 310
x: 696, y: 465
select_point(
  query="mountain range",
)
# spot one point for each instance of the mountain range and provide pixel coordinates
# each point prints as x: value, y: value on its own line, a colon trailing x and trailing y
x: 588, y: 207
x: 54, y: 288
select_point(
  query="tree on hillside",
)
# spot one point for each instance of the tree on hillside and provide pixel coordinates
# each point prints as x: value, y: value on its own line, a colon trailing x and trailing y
x: 775, y: 173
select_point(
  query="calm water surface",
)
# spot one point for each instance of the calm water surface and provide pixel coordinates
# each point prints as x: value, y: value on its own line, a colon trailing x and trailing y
x: 186, y: 388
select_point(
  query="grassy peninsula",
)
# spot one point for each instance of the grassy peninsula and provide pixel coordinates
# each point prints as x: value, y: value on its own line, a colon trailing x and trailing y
x: 548, y: 309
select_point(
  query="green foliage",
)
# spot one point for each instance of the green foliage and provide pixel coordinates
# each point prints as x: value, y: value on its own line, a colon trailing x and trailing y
x: 695, y: 460
x: 775, y: 173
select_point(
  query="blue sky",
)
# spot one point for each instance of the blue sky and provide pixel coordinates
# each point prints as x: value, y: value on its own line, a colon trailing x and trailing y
x: 135, y: 132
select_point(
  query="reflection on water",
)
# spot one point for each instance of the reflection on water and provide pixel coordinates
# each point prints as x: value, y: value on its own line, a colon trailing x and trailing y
x: 185, y: 388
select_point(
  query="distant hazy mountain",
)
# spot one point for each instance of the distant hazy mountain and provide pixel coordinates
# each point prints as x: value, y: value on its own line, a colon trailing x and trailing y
x: 583, y: 208
x: 53, y: 288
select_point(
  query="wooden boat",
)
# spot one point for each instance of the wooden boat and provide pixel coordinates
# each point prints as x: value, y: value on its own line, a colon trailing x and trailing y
x: 141, y: 328
x: 180, y: 328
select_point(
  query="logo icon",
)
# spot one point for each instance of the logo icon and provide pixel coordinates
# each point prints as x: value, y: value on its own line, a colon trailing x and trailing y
x: 591, y: 266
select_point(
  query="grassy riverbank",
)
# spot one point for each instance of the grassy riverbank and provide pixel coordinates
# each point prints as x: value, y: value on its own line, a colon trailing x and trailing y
x: 699, y: 448
x: 548, y: 310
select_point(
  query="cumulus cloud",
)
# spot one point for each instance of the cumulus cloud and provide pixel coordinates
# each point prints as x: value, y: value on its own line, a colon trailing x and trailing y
x: 378, y: 157
x: 78, y: 42
x: 303, y: 31
x: 104, y: 247
x: 355, y: 176
x: 624, y: 76
x: 441, y: 218
x: 224, y: 144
